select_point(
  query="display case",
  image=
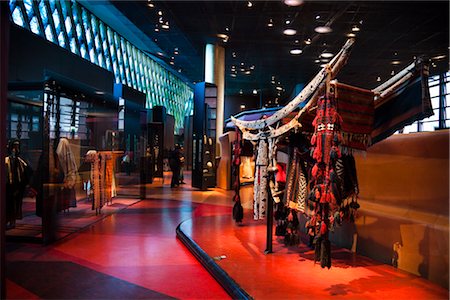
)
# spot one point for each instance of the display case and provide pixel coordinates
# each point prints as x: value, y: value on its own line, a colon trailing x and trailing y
x: 204, y: 136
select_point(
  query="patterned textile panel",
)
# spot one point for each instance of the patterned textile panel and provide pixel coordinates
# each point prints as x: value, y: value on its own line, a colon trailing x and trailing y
x: 409, y: 103
x: 356, y: 107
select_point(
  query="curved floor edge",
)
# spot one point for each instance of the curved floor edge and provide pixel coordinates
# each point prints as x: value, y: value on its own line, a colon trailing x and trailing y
x: 222, y: 277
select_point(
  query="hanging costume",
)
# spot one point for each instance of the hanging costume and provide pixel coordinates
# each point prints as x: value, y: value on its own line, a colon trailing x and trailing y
x: 18, y: 173
x: 260, y: 185
x: 68, y: 165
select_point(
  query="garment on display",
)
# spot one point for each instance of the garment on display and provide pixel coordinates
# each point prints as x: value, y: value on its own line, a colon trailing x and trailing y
x: 18, y: 173
x: 338, y: 119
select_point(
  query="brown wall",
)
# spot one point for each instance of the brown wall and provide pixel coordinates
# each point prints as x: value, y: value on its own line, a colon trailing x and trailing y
x: 404, y: 215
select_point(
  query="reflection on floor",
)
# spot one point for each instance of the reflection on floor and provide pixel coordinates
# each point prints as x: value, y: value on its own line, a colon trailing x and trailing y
x: 128, y: 255
x: 290, y: 272
x: 135, y: 254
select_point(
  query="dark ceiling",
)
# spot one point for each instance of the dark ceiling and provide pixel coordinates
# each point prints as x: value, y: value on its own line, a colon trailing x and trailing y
x: 390, y: 32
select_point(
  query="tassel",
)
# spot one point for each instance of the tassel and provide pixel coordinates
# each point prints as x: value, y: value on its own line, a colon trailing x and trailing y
x: 313, y: 139
x: 323, y: 228
x: 238, y: 211
x: 314, y: 171
x: 317, y: 250
x: 325, y: 254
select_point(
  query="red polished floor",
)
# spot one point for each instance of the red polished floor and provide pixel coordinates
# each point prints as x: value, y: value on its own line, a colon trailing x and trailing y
x: 135, y: 254
x: 132, y: 254
x: 290, y: 273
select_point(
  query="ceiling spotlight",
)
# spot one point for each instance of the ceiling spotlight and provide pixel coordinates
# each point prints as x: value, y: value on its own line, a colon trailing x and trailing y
x: 293, y: 2
x: 172, y: 63
x: 355, y: 28
x: 289, y: 31
x: 242, y: 69
x: 326, y: 54
x: 233, y: 54
x: 296, y: 41
x: 252, y: 67
x: 255, y: 92
x: 296, y: 51
x: 439, y: 57
x: 248, y: 72
x: 317, y: 61
x: 323, y: 29
x: 378, y: 79
x: 434, y: 65
x: 323, y: 65
x: 249, y: 4
x: 308, y: 42
x: 227, y: 29
x: 156, y: 29
x: 241, y: 92
x: 233, y: 75
x: 324, y: 60
x: 317, y: 17
x: 165, y: 26
x: 395, y: 62
x: 233, y: 67
x: 242, y: 63
x: 287, y: 22
x: 160, y: 53
x: 160, y: 20
x: 351, y: 35
x: 279, y: 88
x: 179, y: 70
x: 160, y: 13
x: 222, y: 36
x: 151, y: 5
x: 242, y: 106
x: 270, y: 24
x: 392, y: 73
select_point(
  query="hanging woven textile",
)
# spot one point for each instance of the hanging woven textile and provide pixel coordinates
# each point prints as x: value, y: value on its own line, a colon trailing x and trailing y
x: 325, y: 142
x: 238, y: 211
x: 261, y: 181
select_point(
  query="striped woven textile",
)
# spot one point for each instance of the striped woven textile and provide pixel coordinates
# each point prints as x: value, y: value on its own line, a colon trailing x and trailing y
x: 407, y: 104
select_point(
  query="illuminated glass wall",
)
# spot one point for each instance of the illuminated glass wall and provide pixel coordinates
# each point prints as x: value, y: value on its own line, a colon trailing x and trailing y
x: 71, y: 26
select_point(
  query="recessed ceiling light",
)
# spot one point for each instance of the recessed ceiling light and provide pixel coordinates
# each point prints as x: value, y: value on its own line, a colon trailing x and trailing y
x: 227, y: 29
x: 323, y: 65
x: 355, y: 28
x: 317, y: 61
x: 270, y: 24
x: 233, y: 75
x: 241, y: 92
x: 439, y: 57
x: 279, y: 88
x: 293, y: 2
x: 160, y: 13
x: 378, y: 79
x: 248, y: 72
x: 324, y: 60
x: 233, y: 54
x: 222, y: 36
x: 296, y: 41
x: 249, y: 4
x: 351, y: 35
x: 308, y: 42
x: 296, y: 51
x: 175, y: 52
x: 255, y: 92
x: 160, y: 53
x: 156, y: 29
x: 252, y: 67
x: 179, y: 70
x: 242, y: 106
x: 326, y: 54
x: 165, y: 26
x: 434, y: 65
x: 233, y: 67
x: 172, y: 63
x: 392, y: 73
x: 289, y: 31
x: 395, y: 62
x: 242, y: 69
x: 242, y: 63
x: 160, y: 20
x: 287, y: 22
x: 323, y: 29
x: 151, y: 5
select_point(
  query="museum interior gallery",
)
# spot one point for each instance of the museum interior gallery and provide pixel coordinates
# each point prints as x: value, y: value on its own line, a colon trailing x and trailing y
x: 263, y: 149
